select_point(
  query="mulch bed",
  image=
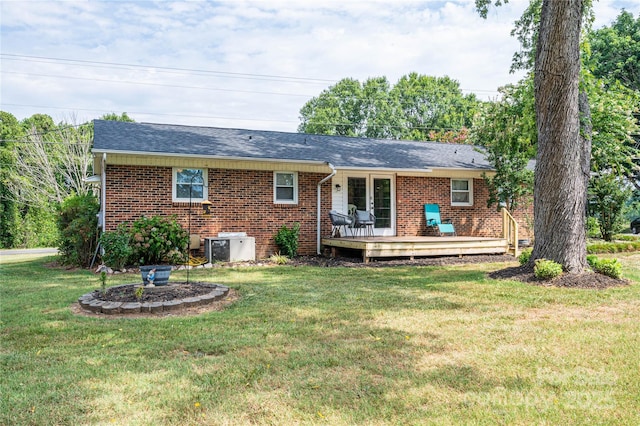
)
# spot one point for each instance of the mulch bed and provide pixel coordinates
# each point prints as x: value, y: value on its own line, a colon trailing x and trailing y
x: 385, y: 263
x: 166, y: 293
x: 587, y: 280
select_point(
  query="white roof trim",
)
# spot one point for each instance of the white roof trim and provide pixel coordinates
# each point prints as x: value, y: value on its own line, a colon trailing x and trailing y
x: 208, y: 157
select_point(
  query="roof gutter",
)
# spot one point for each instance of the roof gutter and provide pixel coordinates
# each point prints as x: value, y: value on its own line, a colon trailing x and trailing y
x: 103, y: 192
x: 319, y: 207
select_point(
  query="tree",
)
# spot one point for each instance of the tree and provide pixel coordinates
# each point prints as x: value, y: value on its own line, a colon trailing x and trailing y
x: 10, y: 132
x: 115, y: 117
x: 43, y: 163
x: 608, y: 194
x: 51, y: 165
x: 336, y: 111
x: 431, y: 103
x: 412, y: 109
x: 615, y: 51
x: 564, y: 149
x: 563, y: 159
x: 613, y: 57
x: 614, y: 152
x: 506, y: 129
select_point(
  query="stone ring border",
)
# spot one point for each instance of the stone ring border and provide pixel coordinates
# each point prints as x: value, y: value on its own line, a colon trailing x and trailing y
x: 89, y: 303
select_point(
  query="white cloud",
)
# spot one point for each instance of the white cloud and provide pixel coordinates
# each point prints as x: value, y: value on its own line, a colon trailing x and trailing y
x: 326, y: 40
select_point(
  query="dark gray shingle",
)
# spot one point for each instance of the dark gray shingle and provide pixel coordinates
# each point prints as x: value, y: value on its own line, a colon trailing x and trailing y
x: 342, y: 152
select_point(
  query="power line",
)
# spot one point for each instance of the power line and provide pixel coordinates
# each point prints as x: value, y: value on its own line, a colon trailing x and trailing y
x: 156, y: 67
x: 138, y: 83
x: 290, y: 79
x: 322, y: 95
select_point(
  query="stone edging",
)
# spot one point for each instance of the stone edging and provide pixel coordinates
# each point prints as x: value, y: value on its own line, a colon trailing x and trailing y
x: 89, y: 303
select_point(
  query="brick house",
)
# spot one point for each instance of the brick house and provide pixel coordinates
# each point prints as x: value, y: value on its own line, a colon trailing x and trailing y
x: 259, y: 180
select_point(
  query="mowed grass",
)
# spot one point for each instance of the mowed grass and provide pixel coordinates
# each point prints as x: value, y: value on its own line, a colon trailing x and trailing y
x: 338, y: 346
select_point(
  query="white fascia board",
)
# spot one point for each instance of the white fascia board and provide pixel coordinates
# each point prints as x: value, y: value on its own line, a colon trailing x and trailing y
x: 208, y: 157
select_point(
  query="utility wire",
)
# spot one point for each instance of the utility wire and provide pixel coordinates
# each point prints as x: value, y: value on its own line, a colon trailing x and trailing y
x: 156, y: 67
x: 138, y: 83
x: 403, y: 100
x: 74, y: 62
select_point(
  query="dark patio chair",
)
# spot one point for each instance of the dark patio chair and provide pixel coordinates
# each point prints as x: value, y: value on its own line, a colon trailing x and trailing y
x: 432, y: 216
x: 339, y: 221
x: 364, y: 221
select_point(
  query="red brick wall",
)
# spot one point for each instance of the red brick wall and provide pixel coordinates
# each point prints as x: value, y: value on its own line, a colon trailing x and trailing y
x: 242, y: 202
x: 476, y: 220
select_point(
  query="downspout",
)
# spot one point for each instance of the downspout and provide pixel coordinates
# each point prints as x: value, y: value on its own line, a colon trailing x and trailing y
x: 333, y: 172
x: 103, y: 191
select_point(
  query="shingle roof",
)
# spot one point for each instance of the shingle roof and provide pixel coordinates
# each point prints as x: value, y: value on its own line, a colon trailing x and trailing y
x: 342, y: 152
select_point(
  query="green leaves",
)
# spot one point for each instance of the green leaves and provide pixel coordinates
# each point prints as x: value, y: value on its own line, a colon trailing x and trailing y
x: 507, y: 130
x: 287, y: 239
x: 158, y: 240
x: 416, y: 106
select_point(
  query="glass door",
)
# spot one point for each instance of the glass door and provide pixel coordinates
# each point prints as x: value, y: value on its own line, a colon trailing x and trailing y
x: 374, y: 193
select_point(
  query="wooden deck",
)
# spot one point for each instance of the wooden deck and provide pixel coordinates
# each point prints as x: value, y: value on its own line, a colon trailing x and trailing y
x: 411, y: 247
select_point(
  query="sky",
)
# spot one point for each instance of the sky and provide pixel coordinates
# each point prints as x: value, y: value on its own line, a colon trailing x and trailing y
x: 242, y: 64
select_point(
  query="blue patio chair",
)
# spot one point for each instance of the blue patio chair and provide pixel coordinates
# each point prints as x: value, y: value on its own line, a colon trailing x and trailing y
x: 432, y: 215
x: 339, y: 222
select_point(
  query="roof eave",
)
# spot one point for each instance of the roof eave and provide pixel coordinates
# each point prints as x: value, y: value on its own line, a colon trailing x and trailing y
x: 208, y: 157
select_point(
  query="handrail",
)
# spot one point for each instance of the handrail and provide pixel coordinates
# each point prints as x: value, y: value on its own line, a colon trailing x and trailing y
x: 510, y: 230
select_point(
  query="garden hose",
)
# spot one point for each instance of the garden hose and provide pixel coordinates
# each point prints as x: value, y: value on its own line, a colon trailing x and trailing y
x: 196, y: 261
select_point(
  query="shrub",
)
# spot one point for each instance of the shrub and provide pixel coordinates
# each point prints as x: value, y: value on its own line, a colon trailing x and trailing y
x: 609, y: 267
x: 116, y: 246
x: 525, y: 256
x: 546, y: 269
x: 287, y: 239
x: 158, y: 240
x: 592, y: 259
x: 38, y: 228
x: 279, y: 259
x: 77, y: 224
x: 593, y: 227
x: 623, y: 237
x: 613, y: 247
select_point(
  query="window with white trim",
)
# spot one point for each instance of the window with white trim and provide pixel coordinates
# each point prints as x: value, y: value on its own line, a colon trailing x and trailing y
x: 461, y: 192
x: 285, y: 187
x: 189, y: 185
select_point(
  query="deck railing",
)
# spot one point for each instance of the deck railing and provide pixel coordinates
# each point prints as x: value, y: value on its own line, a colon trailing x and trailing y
x: 510, y: 231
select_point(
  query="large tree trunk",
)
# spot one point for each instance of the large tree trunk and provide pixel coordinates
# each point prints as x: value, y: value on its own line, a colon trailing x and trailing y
x: 563, y: 155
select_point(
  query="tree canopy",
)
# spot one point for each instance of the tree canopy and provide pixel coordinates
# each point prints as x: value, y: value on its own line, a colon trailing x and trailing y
x: 615, y: 52
x: 506, y: 128
x: 43, y: 163
x: 415, y: 107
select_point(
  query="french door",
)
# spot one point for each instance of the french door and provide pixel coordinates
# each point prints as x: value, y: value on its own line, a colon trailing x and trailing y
x: 375, y: 193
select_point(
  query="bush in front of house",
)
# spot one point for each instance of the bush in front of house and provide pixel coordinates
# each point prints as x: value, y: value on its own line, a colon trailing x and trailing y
x: 287, y: 239
x: 609, y: 267
x: 158, y: 240
x: 116, y: 247
x: 147, y: 241
x: 545, y: 269
x: 78, y: 225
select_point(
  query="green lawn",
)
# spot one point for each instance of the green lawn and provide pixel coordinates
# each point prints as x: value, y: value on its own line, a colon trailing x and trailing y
x: 335, y: 346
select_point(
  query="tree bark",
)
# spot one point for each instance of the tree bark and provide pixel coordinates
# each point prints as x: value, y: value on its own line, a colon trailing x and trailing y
x: 563, y: 156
